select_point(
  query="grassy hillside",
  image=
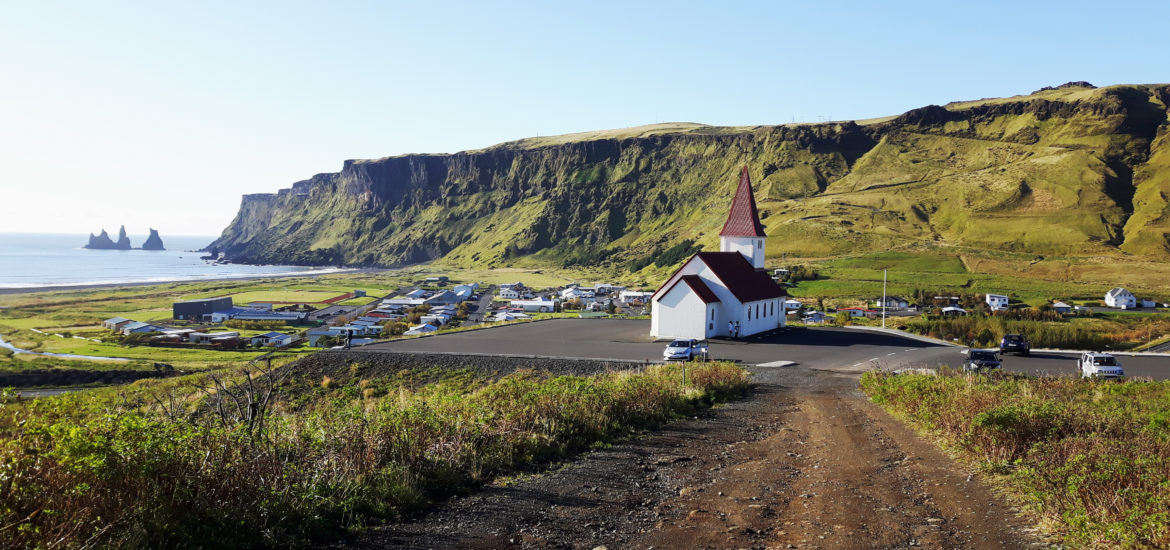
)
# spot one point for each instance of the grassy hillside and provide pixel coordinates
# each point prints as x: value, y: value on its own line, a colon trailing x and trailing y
x: 1074, y: 172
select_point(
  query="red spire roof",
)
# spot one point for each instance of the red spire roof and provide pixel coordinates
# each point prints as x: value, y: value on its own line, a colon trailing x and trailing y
x: 744, y: 219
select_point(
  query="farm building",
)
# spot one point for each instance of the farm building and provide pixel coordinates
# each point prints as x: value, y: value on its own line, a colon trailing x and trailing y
x: 199, y: 310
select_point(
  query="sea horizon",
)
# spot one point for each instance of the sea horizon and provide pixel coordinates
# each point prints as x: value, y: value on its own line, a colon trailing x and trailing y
x: 31, y: 260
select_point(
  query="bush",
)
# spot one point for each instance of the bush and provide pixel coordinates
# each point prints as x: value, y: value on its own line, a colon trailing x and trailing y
x: 128, y: 475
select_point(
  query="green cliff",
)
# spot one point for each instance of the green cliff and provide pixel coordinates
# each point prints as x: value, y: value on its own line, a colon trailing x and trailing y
x: 1072, y: 170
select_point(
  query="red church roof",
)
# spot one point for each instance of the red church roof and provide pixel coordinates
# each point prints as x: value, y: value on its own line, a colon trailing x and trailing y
x: 696, y: 283
x: 744, y: 219
x: 741, y: 277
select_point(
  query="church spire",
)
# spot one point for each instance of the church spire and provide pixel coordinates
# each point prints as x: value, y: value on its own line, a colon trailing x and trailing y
x: 744, y: 219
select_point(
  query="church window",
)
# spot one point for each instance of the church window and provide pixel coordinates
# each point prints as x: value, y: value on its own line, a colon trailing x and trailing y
x: 749, y: 312
x: 712, y: 314
x: 757, y: 310
x: 760, y: 244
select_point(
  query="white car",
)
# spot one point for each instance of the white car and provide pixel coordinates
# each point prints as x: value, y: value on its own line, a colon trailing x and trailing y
x: 1100, y: 365
x: 684, y: 350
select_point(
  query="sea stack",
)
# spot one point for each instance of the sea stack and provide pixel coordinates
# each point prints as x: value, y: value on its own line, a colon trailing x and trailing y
x: 153, y: 242
x: 101, y: 241
x: 123, y: 241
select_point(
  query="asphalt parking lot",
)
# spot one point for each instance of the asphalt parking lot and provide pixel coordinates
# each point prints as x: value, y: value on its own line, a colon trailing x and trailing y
x: 837, y: 349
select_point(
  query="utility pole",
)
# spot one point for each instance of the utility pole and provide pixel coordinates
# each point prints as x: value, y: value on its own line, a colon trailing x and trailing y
x: 883, y: 298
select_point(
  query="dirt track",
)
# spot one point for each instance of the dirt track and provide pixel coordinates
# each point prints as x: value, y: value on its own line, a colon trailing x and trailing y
x: 803, y: 462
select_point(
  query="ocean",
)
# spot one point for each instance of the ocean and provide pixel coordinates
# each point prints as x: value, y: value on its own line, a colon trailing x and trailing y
x: 29, y: 260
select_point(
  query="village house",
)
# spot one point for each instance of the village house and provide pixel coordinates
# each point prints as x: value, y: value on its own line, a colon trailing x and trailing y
x: 199, y: 310
x: 1061, y: 307
x: 953, y: 311
x: 814, y: 318
x: 792, y: 305
x: 271, y: 339
x: 634, y: 297
x: 536, y: 306
x: 136, y: 327
x: 1120, y: 298
x: 997, y: 301
x: 895, y: 303
x: 116, y: 323
x: 212, y: 337
x: 858, y: 311
x: 315, y: 334
x: 714, y: 293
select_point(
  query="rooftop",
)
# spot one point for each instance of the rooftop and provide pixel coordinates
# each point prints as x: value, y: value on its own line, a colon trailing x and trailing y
x: 744, y: 218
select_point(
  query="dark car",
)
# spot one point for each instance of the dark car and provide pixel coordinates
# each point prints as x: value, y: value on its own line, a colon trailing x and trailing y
x: 980, y: 360
x: 1014, y: 343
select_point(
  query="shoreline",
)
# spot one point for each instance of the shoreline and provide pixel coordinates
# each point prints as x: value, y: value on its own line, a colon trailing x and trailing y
x: 93, y: 286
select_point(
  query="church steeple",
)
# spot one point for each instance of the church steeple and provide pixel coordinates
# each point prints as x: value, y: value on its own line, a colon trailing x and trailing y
x: 743, y: 232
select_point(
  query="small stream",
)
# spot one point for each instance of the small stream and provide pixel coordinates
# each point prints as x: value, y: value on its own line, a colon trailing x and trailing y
x: 7, y: 345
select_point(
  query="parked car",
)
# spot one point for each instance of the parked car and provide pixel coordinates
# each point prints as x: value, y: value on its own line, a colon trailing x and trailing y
x: 1100, y: 365
x: 1015, y: 343
x: 981, y: 360
x: 684, y: 350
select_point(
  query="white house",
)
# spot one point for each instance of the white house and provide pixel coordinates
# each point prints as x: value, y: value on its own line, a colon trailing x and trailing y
x: 509, y: 293
x: 540, y: 306
x: 714, y: 291
x: 1061, y: 307
x: 211, y: 337
x: 276, y: 339
x: 634, y: 296
x: 953, y: 311
x: 1120, y: 298
x: 997, y: 301
x: 792, y: 304
x: 891, y: 302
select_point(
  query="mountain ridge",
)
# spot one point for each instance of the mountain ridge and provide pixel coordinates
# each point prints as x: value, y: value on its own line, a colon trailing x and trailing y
x: 1066, y: 170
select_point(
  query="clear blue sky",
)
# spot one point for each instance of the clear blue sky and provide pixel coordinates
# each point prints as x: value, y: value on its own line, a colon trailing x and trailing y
x: 162, y: 114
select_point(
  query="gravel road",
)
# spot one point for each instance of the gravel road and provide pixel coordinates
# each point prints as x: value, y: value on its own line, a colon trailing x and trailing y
x: 803, y: 461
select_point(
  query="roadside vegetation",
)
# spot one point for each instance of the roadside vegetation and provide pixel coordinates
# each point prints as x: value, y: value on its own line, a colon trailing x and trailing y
x: 272, y: 457
x: 1090, y: 458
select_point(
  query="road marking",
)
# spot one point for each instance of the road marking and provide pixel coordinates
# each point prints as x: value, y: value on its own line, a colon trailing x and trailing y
x: 777, y: 364
x: 857, y: 364
x: 873, y: 359
x: 889, y: 354
x: 912, y: 349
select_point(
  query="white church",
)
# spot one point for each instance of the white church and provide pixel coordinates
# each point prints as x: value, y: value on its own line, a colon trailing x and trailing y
x: 714, y: 290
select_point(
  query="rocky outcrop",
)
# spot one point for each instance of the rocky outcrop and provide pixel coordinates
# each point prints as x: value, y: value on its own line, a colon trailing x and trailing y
x: 1089, y: 158
x: 153, y: 242
x: 103, y: 241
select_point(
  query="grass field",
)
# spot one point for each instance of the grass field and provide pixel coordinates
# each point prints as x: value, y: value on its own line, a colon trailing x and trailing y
x: 1090, y: 458
x: 337, y: 451
x: 289, y: 296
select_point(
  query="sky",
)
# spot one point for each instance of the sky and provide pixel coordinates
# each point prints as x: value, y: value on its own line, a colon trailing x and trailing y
x: 162, y: 114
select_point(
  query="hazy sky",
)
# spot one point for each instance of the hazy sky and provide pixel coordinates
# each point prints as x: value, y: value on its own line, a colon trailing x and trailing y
x: 161, y: 114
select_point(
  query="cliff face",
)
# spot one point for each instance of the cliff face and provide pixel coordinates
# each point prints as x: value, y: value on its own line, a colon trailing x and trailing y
x: 1071, y: 170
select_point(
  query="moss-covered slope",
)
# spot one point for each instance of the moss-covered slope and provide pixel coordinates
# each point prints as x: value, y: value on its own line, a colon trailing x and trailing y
x: 1071, y: 170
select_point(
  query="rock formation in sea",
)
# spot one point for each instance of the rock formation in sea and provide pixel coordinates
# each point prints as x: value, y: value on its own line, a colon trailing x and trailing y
x: 103, y: 241
x: 153, y: 242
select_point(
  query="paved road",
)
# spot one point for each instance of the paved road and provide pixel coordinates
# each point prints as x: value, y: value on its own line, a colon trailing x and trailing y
x: 835, y: 349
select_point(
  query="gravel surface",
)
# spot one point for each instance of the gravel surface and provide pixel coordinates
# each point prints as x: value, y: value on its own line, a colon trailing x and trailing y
x: 804, y: 461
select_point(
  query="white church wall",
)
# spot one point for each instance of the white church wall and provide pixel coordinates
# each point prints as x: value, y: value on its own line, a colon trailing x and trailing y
x: 679, y: 313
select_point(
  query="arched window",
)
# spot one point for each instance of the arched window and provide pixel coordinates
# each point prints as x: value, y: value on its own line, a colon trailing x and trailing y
x: 760, y: 243
x: 712, y: 314
x: 749, y: 312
